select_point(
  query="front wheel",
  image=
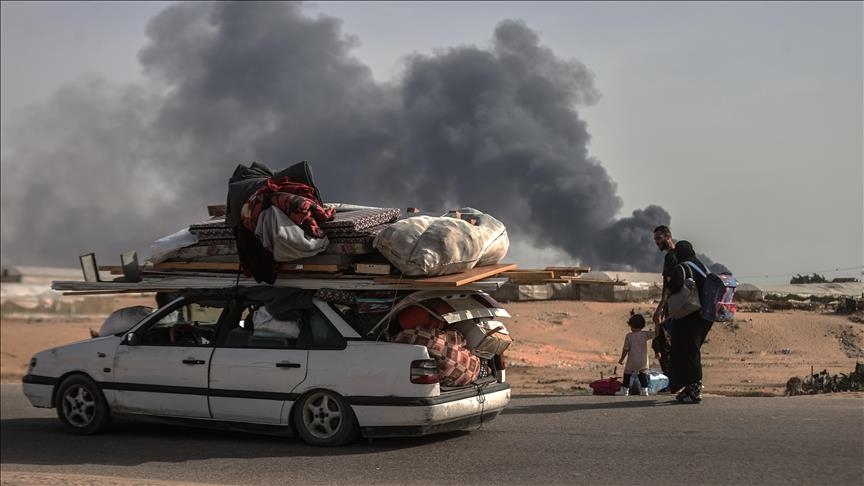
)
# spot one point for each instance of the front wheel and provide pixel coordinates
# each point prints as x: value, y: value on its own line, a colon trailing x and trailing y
x: 81, y: 407
x: 324, y: 418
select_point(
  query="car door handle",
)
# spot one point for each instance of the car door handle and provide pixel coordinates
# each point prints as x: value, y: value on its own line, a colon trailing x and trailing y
x: 285, y: 364
x: 193, y: 361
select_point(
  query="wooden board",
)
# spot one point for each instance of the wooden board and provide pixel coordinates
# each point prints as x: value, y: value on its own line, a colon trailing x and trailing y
x: 570, y: 269
x: 455, y: 280
x: 559, y: 272
x: 585, y: 281
x: 529, y: 275
x: 234, y: 267
x: 227, y: 281
x: 372, y: 268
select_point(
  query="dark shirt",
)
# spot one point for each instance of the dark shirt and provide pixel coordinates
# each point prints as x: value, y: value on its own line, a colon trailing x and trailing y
x: 669, y: 262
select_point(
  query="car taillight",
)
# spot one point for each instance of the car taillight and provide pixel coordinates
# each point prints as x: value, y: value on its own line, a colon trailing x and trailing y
x: 424, y: 371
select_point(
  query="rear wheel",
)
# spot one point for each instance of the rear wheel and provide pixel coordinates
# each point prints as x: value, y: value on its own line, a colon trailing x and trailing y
x: 323, y: 418
x: 81, y: 407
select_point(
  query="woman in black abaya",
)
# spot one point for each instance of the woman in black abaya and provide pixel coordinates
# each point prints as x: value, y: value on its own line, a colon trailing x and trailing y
x: 688, y: 332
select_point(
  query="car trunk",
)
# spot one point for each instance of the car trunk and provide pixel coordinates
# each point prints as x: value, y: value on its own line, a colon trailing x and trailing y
x: 461, y: 331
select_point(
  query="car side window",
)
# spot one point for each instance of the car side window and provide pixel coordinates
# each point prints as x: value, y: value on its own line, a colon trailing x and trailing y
x: 322, y: 333
x: 295, y: 329
x: 185, y: 323
x: 255, y: 327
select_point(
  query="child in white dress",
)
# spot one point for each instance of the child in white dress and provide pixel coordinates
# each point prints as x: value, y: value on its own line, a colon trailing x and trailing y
x: 636, y: 351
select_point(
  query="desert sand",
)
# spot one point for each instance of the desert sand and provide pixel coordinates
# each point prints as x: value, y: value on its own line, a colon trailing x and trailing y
x: 561, y: 346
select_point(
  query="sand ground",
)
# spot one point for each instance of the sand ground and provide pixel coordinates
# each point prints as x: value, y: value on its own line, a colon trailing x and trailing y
x: 561, y: 346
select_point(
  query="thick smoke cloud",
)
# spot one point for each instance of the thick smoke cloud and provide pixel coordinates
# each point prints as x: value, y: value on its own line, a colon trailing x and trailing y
x: 496, y: 128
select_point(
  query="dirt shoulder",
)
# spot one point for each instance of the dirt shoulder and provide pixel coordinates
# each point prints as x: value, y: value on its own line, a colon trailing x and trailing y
x: 561, y: 346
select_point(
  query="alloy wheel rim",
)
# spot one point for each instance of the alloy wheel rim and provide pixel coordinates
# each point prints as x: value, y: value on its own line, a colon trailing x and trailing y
x: 322, y: 416
x: 79, y: 406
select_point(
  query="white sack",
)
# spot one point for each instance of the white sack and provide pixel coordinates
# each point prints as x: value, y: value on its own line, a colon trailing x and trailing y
x: 429, y: 246
x: 265, y: 325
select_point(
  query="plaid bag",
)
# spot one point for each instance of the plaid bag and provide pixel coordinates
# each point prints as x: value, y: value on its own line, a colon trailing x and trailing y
x: 458, y: 366
x: 434, y: 340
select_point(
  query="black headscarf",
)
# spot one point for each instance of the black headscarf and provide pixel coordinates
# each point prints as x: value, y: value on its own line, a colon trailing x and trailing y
x: 684, y: 252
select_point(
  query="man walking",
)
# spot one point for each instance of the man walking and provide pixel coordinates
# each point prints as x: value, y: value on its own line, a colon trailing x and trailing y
x: 660, y: 345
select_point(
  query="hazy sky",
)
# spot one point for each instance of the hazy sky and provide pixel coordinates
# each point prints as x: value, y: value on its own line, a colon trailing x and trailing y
x: 742, y: 120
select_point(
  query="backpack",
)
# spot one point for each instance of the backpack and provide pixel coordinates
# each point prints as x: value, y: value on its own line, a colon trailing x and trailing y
x: 716, y: 295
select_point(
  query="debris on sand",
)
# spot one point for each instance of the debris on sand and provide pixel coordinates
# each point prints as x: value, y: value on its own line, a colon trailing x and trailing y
x: 823, y: 382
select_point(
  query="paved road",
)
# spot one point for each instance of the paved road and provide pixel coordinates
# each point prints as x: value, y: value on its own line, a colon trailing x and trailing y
x: 541, y: 440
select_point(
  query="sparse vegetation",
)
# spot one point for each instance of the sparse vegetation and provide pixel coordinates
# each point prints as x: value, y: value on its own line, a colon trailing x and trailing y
x: 806, y: 279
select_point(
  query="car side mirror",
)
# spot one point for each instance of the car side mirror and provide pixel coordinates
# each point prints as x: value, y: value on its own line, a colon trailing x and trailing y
x: 131, y: 339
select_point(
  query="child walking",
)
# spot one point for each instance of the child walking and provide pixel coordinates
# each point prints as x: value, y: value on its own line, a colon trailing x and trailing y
x: 636, y: 351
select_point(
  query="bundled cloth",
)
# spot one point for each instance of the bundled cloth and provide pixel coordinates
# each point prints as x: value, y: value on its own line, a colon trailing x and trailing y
x: 275, y: 217
x: 430, y: 246
x: 121, y: 320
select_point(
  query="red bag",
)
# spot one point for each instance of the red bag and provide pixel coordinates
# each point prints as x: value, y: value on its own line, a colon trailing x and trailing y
x: 607, y: 386
x: 415, y: 316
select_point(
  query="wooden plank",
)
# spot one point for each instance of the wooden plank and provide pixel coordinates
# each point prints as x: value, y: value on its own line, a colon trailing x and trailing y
x: 309, y: 267
x: 340, y: 259
x: 529, y: 274
x: 455, y: 280
x: 226, y: 281
x: 373, y: 268
x: 217, y: 209
x: 574, y: 269
x: 187, y: 266
x: 585, y: 281
x: 559, y: 272
x: 234, y: 267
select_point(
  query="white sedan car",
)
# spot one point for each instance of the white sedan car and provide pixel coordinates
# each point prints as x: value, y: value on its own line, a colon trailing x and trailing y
x: 202, y: 360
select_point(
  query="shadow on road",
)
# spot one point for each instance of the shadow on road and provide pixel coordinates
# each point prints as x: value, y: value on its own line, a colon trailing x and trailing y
x: 572, y: 407
x: 43, y: 441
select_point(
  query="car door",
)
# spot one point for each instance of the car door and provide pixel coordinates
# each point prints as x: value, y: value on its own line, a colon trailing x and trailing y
x: 161, y: 367
x: 255, y: 367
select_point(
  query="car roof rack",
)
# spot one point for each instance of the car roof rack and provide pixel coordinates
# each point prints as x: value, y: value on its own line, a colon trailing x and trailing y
x: 479, y: 278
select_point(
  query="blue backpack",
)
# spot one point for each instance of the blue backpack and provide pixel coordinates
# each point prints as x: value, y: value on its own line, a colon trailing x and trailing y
x: 716, y: 295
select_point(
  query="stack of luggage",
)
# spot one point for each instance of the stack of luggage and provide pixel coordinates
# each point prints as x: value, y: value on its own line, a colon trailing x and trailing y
x: 279, y: 217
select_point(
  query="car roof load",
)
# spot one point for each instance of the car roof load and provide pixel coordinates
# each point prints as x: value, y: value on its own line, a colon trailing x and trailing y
x: 178, y: 282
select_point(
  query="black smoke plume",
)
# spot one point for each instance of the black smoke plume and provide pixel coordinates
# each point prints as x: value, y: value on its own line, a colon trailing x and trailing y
x: 107, y: 168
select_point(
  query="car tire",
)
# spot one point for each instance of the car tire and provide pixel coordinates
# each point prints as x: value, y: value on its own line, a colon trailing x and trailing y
x: 81, y: 407
x: 324, y: 418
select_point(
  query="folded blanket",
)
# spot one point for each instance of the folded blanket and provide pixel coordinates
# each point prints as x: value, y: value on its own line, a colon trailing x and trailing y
x: 361, y: 219
x: 345, y: 233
